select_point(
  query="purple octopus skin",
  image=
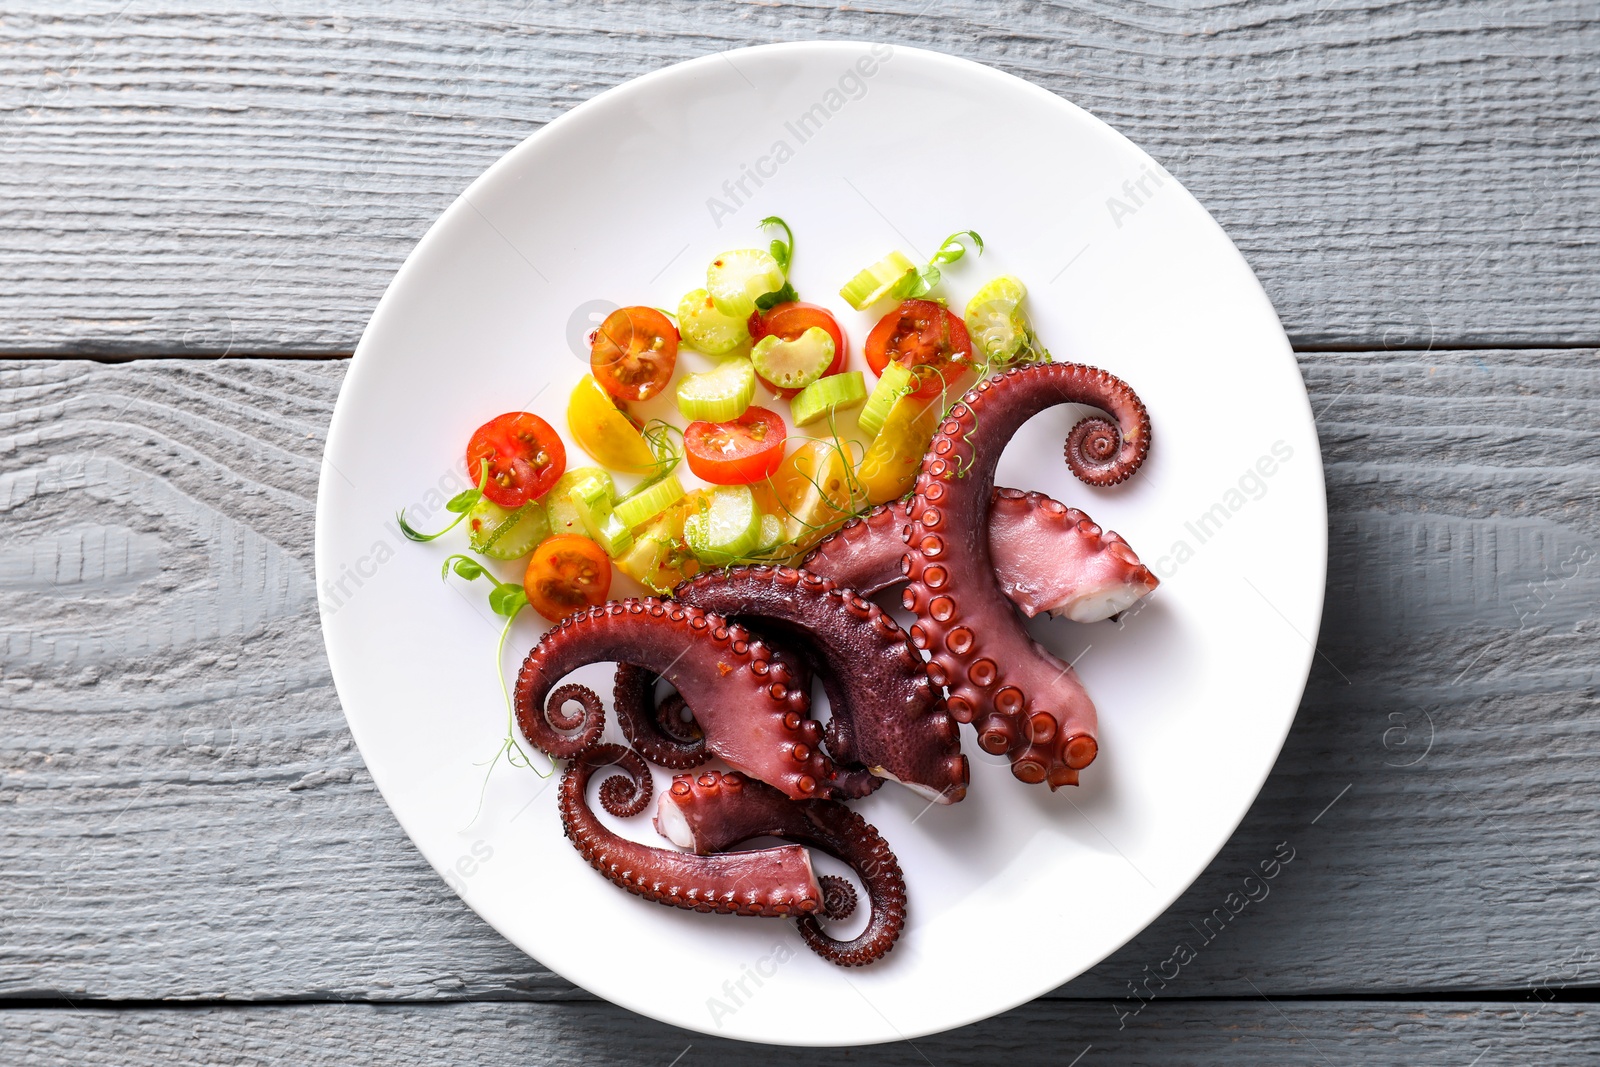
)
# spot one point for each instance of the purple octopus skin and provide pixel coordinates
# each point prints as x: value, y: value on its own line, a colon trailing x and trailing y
x: 712, y: 813
x: 665, y: 732
x: 752, y: 716
x: 774, y: 882
x: 1024, y: 702
x: 888, y: 717
x: 1047, y: 556
x: 658, y: 732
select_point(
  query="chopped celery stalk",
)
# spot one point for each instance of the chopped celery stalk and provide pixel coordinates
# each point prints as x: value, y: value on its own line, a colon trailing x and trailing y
x: 719, y: 394
x: 649, y: 502
x: 875, y: 283
x: 727, y: 528
x: 893, y: 383
x: 502, y: 533
x: 735, y: 279
x: 833, y: 393
x: 592, y: 499
x: 793, y: 364
x: 771, y: 537
x: 708, y: 330
x: 563, y: 514
x: 995, y: 320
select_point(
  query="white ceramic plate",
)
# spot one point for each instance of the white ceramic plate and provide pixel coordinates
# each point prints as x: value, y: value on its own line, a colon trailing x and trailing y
x: 624, y: 200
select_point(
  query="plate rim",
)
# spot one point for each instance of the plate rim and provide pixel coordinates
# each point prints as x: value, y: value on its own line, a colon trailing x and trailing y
x: 459, y: 208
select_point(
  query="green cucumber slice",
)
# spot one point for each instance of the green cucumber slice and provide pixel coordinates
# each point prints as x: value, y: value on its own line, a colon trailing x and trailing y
x: 893, y: 383
x: 793, y: 364
x: 735, y: 279
x: 726, y: 529
x: 645, y: 504
x: 995, y: 321
x: 719, y: 394
x: 876, y: 282
x: 592, y: 499
x: 707, y: 329
x: 771, y: 537
x: 506, y: 534
x: 558, y: 506
x: 833, y: 393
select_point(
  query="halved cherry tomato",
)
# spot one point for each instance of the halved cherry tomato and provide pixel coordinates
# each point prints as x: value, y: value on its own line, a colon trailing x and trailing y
x: 736, y: 453
x: 927, y: 338
x: 565, y: 574
x: 633, y: 352
x: 789, y: 321
x: 525, y: 457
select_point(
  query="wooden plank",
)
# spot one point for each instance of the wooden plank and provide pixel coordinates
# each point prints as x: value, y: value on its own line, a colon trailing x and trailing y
x: 182, y: 813
x: 213, y: 177
x: 1238, y: 1033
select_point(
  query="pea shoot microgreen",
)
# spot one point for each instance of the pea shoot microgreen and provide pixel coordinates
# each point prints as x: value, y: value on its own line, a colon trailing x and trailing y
x: 506, y: 599
x: 457, y: 505
x: 783, y: 252
x: 666, y: 442
x: 924, y: 278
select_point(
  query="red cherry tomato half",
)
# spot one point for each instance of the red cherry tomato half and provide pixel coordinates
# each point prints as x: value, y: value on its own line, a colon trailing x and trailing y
x: 925, y: 337
x: 633, y: 352
x: 525, y: 458
x: 789, y: 321
x: 565, y: 574
x: 736, y: 453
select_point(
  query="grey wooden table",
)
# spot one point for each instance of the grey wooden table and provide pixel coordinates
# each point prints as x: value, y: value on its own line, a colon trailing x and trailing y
x: 202, y: 202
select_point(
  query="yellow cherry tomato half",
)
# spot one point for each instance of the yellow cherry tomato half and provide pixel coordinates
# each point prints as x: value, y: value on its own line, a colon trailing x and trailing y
x: 604, y: 432
x: 816, y: 490
x: 890, y: 466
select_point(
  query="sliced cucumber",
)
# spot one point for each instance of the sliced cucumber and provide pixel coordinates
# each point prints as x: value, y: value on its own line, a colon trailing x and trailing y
x: 771, y: 537
x: 877, y: 281
x: 893, y: 383
x: 708, y: 330
x: 507, y: 534
x: 719, y: 394
x: 735, y: 279
x: 592, y: 499
x: 836, y: 392
x: 646, y: 504
x: 995, y: 320
x: 558, y: 504
x: 727, y: 529
x: 793, y: 364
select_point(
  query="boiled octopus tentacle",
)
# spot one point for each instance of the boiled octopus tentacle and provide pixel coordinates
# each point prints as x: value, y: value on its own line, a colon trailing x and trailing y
x: 713, y: 812
x: 887, y: 716
x: 752, y: 715
x: 770, y: 882
x: 838, y: 897
x: 588, y: 725
x: 1047, y: 556
x: 1024, y: 702
x: 658, y: 732
x: 665, y: 732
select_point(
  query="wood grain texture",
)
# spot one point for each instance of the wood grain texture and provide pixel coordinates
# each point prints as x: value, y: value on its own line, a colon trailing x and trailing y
x: 183, y: 815
x: 243, y: 177
x: 1185, y: 1034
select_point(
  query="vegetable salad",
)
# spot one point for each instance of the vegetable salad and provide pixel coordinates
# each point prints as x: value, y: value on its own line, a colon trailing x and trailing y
x: 756, y: 469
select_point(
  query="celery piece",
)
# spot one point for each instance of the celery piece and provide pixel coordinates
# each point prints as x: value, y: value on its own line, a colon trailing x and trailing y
x: 833, y: 393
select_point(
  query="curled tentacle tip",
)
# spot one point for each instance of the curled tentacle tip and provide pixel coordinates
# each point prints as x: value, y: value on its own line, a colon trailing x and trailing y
x: 838, y: 897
